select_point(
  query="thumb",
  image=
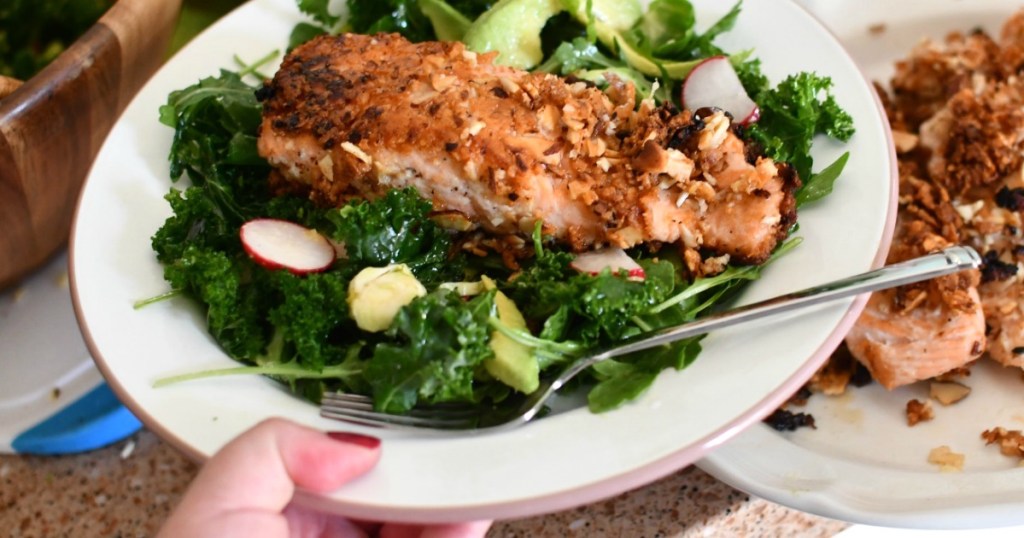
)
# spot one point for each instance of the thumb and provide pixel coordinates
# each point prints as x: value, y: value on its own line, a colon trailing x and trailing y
x: 257, y: 472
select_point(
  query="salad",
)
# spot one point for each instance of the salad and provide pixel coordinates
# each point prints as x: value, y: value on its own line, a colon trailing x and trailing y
x: 34, y: 32
x: 477, y: 326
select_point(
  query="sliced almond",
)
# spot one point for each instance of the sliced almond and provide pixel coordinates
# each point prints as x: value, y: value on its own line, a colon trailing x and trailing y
x: 948, y: 392
x: 904, y: 141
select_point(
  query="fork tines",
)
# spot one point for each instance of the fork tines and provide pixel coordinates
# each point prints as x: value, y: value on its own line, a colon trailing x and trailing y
x: 358, y: 409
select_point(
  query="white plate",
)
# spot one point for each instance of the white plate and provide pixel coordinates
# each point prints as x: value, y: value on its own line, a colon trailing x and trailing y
x: 863, y: 463
x: 562, y: 461
x: 52, y: 398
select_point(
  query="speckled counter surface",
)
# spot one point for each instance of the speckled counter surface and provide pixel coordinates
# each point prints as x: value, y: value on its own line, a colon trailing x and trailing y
x: 128, y: 489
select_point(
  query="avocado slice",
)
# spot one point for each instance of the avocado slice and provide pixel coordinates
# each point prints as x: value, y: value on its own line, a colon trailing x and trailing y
x: 448, y: 23
x: 512, y: 27
x: 619, y: 15
x: 513, y: 363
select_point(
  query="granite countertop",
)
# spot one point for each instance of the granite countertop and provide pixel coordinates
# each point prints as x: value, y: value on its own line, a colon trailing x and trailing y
x: 128, y: 489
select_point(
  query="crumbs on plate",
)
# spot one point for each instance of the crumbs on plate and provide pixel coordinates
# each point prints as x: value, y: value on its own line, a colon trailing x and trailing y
x: 918, y: 411
x: 947, y: 460
x: 956, y: 113
x: 1011, y: 442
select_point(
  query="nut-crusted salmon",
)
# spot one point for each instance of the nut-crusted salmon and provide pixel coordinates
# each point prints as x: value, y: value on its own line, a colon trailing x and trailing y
x: 922, y: 330
x: 355, y: 116
x: 957, y: 112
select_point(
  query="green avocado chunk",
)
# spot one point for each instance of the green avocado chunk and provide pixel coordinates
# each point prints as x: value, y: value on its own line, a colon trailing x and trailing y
x: 618, y: 15
x: 448, y: 23
x: 513, y: 363
x: 513, y: 28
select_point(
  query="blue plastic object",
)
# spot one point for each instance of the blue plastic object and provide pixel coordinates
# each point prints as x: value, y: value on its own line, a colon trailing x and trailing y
x: 94, y: 420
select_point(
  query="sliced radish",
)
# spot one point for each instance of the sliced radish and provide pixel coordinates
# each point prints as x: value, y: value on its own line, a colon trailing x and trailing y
x: 616, y: 259
x: 714, y: 83
x: 279, y: 244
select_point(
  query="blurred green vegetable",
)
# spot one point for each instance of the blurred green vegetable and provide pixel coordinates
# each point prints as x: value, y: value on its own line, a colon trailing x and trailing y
x: 34, y: 32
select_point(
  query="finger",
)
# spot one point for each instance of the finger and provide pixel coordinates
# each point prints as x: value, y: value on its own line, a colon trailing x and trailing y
x: 306, y: 522
x: 473, y: 529
x: 258, y: 471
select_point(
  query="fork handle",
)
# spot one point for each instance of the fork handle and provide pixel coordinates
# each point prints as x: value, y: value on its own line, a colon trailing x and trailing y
x: 950, y: 260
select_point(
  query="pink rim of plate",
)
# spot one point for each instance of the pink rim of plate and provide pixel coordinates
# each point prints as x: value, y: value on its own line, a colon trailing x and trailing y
x: 563, y: 499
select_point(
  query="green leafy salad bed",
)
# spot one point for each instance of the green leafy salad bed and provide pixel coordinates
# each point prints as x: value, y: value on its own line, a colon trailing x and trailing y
x: 441, y: 345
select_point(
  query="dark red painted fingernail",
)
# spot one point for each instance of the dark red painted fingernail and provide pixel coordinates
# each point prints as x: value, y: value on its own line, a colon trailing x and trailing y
x: 365, y: 441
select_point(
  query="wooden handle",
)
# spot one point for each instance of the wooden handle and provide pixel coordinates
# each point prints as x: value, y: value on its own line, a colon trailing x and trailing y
x: 8, y: 85
x: 52, y: 126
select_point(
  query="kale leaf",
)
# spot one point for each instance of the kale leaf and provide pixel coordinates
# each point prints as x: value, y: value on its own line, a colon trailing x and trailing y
x: 312, y: 308
x: 792, y: 113
x: 591, y: 309
x: 439, y: 340
x: 395, y: 229
x: 234, y: 308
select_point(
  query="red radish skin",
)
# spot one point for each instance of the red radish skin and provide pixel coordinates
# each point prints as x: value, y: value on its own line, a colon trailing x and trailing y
x: 714, y: 83
x: 615, y: 259
x: 280, y: 244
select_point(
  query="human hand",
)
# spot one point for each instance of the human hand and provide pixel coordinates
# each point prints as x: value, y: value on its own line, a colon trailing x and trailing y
x: 245, y: 490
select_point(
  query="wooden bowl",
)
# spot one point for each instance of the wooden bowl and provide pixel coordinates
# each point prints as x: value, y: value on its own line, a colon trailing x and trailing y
x: 52, y: 126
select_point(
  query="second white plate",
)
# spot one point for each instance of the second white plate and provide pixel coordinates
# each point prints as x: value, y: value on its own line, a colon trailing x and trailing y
x: 863, y: 463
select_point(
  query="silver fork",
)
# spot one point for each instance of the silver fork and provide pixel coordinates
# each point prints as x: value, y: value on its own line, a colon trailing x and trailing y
x: 479, y: 418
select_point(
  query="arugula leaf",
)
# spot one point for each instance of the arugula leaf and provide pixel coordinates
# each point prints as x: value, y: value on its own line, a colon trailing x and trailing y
x: 618, y: 382
x: 304, y: 32
x: 703, y: 43
x: 439, y: 340
x: 663, y: 42
x: 621, y: 381
x: 318, y: 10
x: 666, y: 23
x: 348, y: 372
x: 216, y: 122
x: 577, y: 55
x: 820, y: 184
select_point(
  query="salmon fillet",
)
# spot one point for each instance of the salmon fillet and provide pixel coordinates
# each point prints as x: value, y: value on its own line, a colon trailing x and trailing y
x: 958, y: 108
x: 901, y: 348
x: 354, y: 116
x: 922, y: 330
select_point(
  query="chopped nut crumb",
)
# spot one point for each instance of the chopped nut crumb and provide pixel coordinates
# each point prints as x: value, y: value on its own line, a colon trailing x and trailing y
x: 1011, y: 442
x: 948, y: 392
x: 956, y: 373
x: 904, y: 141
x: 840, y: 371
x: 918, y: 411
x: 947, y: 460
x: 877, y: 28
